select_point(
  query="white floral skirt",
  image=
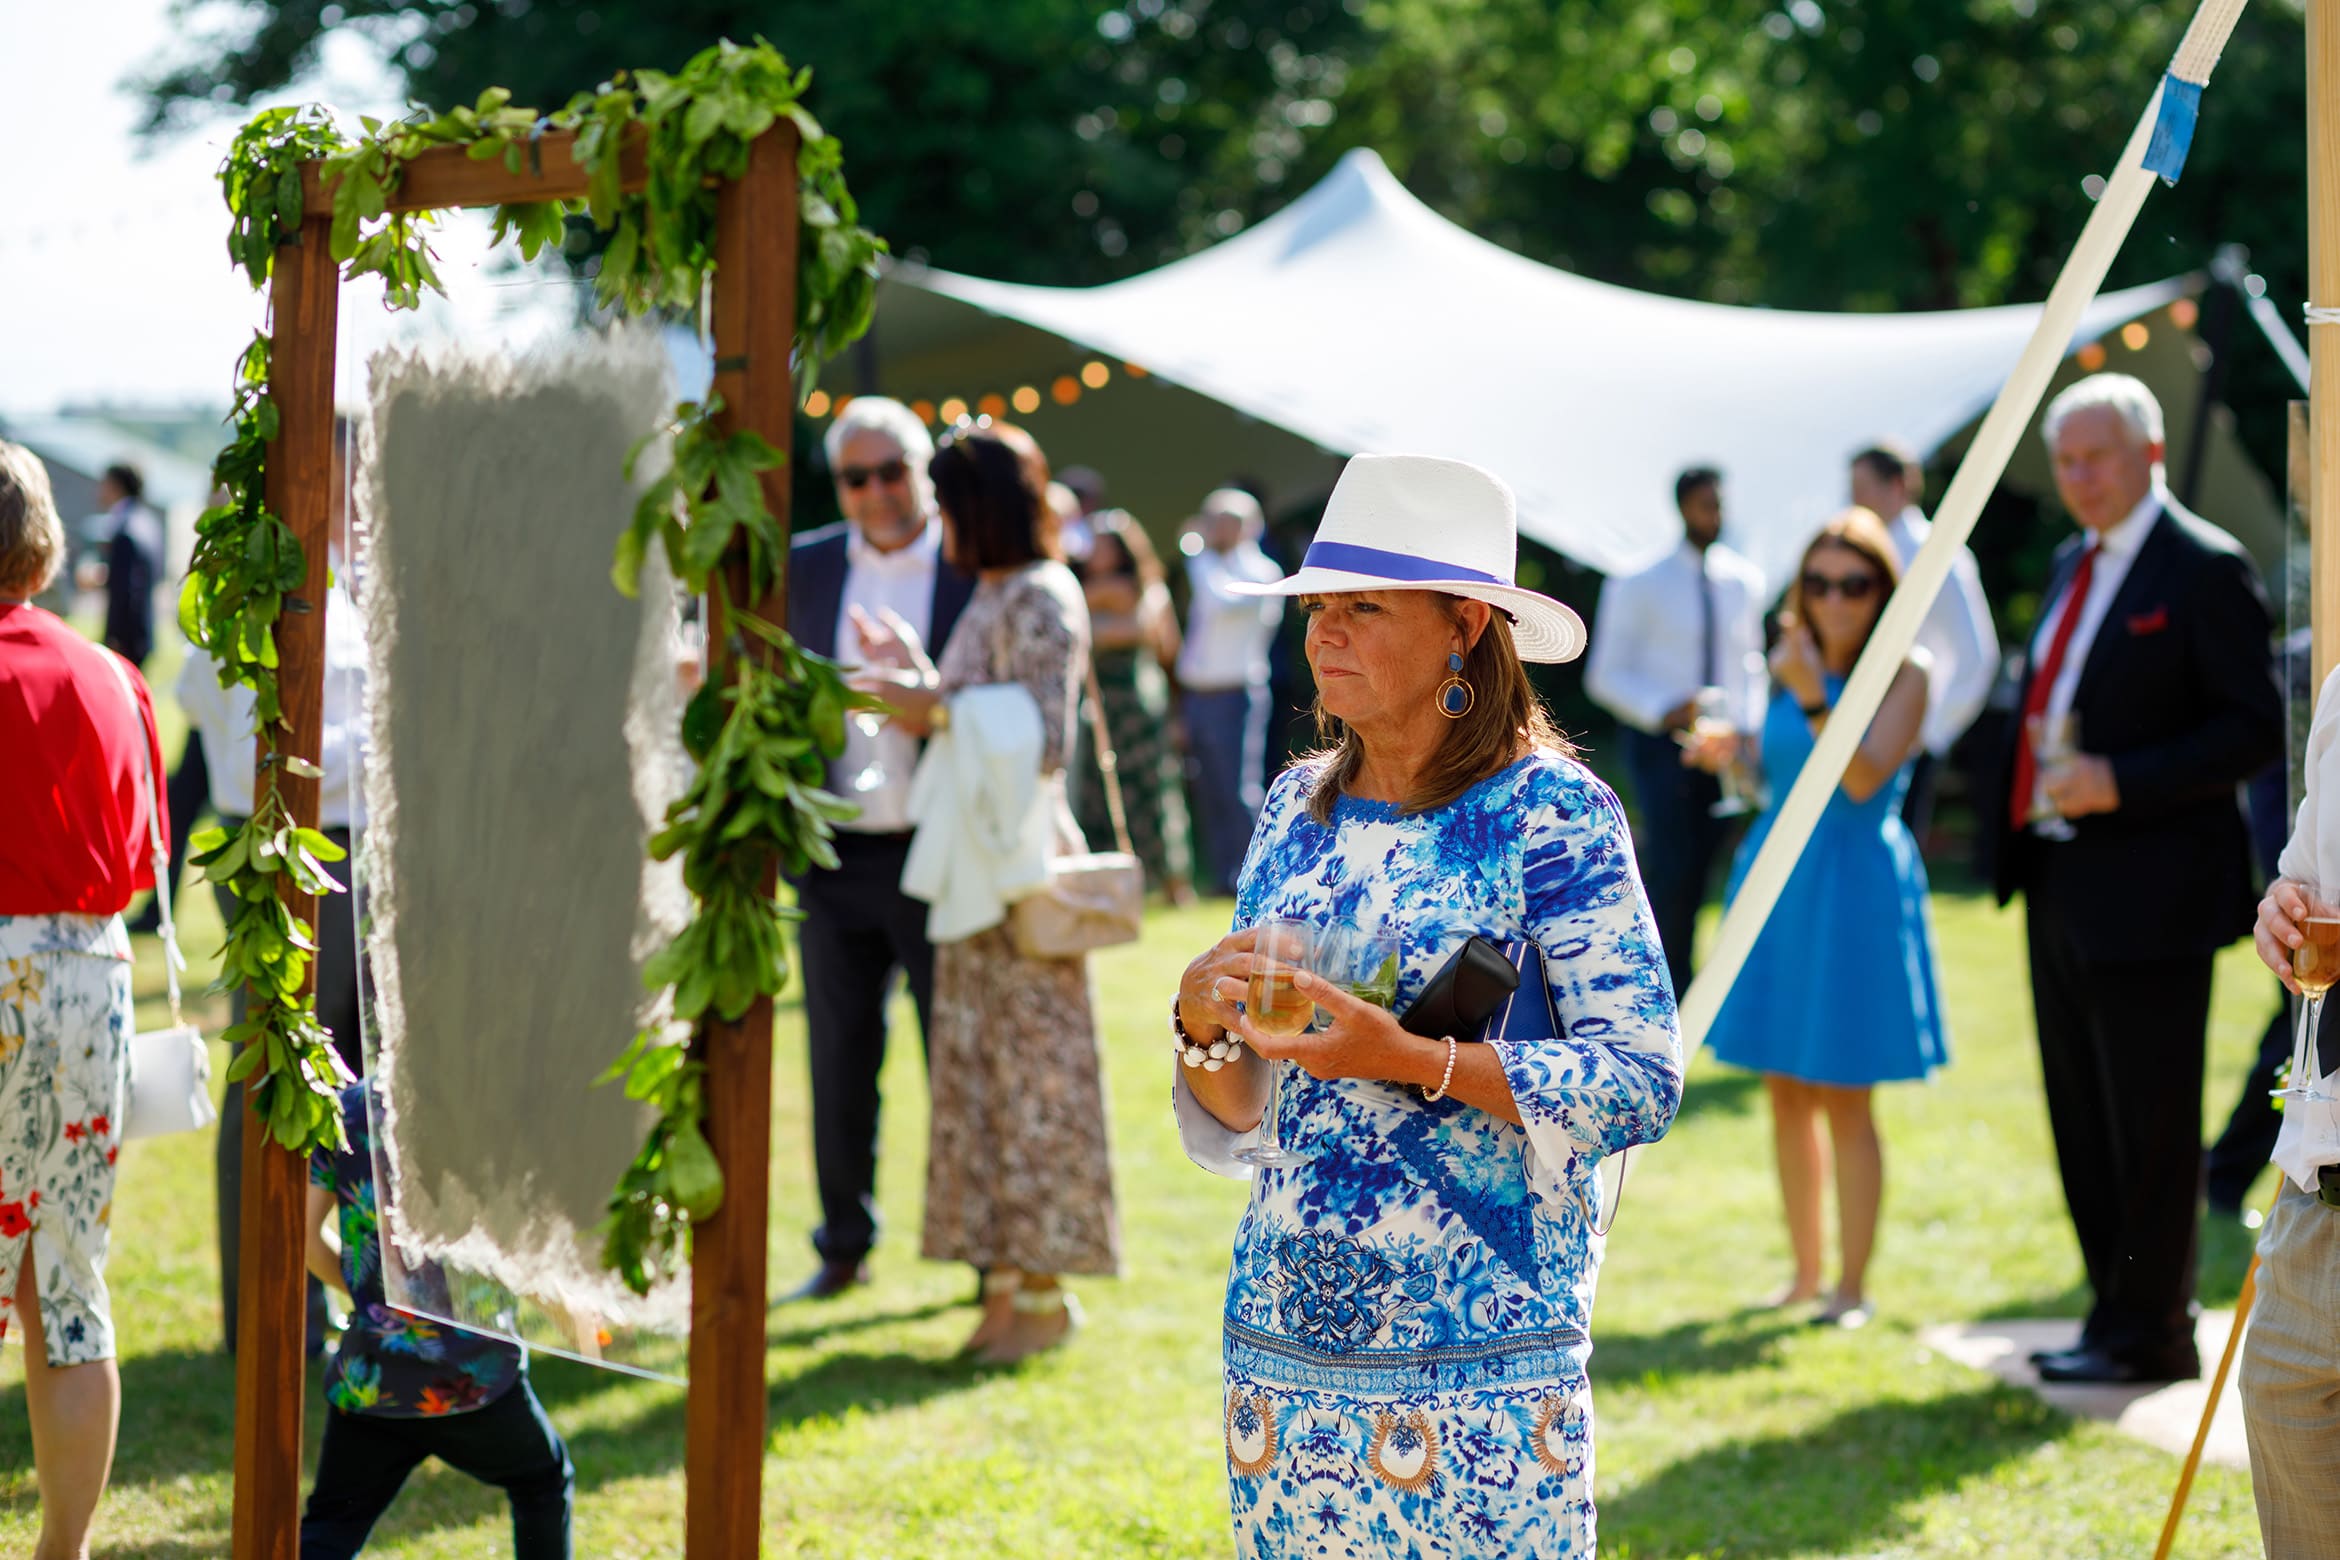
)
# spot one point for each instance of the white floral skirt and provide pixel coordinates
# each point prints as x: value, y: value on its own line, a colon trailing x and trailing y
x: 1476, y: 1473
x: 65, y: 1025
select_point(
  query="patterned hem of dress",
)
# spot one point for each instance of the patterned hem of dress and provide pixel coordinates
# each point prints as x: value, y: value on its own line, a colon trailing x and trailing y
x: 99, y: 936
x: 1497, y: 1362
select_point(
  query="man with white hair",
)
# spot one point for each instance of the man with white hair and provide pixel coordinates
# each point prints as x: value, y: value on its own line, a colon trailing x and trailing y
x: 1223, y: 675
x: 883, y: 564
x: 2148, y: 699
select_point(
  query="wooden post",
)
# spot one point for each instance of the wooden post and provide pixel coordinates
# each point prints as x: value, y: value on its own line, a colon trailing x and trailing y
x: 755, y: 332
x: 2323, y: 172
x: 271, y: 1305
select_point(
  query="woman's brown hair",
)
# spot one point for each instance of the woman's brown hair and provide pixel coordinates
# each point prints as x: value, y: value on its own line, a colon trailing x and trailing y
x: 1859, y: 532
x: 991, y: 483
x: 1506, y: 722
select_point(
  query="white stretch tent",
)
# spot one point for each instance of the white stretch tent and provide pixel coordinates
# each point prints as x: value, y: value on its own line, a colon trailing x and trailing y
x: 1359, y: 319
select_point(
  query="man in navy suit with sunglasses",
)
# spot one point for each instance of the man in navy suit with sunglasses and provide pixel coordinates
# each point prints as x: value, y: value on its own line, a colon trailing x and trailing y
x: 860, y: 930
x: 2149, y: 698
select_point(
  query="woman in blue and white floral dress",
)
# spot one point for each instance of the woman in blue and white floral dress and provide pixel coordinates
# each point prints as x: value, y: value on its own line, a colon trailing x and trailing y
x: 1406, y: 1329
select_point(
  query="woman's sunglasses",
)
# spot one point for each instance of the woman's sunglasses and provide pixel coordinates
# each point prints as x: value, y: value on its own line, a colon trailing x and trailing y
x: 1852, y: 587
x: 858, y: 477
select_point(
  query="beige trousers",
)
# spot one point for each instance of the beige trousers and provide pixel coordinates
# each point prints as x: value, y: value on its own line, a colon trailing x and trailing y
x: 2291, y: 1380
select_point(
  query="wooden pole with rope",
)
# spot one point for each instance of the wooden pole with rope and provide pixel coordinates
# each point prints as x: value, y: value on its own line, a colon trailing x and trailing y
x: 2321, y: 499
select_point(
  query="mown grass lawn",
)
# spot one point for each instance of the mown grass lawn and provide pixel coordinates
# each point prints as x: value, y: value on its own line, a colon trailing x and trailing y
x: 1722, y: 1432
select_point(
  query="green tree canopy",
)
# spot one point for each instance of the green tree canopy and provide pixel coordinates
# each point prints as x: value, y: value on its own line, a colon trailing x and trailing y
x: 1824, y: 154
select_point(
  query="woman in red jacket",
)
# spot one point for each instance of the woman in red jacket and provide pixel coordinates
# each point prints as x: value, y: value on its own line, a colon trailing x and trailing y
x: 74, y: 848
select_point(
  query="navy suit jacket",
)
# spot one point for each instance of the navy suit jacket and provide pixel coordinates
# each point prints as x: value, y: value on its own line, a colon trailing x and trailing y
x: 2179, y: 692
x: 817, y: 565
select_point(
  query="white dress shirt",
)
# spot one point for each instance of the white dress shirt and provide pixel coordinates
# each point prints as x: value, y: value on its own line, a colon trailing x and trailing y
x: 1228, y: 636
x: 1649, y: 638
x: 2311, y: 1130
x: 1957, y: 636
x: 221, y: 718
x: 900, y: 581
x: 2116, y: 549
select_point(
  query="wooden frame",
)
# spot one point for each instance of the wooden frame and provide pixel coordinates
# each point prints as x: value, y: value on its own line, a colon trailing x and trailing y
x: 755, y: 324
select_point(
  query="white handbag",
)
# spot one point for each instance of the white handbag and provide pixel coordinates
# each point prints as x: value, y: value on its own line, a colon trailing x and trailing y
x: 170, y: 1069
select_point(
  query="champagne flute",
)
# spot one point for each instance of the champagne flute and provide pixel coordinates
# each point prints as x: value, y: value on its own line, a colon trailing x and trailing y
x: 872, y: 775
x: 2055, y: 740
x: 1741, y: 782
x: 2315, y: 964
x: 1283, y: 948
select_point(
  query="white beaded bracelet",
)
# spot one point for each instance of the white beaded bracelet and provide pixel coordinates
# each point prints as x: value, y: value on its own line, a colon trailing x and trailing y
x: 1210, y: 1058
x: 1440, y: 1092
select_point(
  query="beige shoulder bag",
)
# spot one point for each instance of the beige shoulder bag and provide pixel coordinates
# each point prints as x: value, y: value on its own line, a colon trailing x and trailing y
x: 1094, y: 900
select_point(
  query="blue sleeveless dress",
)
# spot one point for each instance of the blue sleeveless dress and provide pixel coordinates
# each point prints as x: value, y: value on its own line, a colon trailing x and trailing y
x: 1840, y: 987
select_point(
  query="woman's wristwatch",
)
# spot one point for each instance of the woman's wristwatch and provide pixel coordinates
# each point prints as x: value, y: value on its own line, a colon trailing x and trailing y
x: 1211, y: 1057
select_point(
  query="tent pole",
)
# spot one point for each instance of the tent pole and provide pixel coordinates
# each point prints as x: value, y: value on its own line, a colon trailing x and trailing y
x: 2223, y: 297
x: 2323, y: 168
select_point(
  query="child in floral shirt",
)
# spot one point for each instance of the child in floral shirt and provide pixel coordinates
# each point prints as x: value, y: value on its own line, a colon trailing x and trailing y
x: 403, y: 1388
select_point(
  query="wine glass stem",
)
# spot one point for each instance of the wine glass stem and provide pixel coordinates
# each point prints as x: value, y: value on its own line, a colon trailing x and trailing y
x: 2306, y: 1069
x: 1271, y: 1122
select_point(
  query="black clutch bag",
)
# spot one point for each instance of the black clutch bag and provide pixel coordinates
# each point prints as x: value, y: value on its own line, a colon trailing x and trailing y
x: 1476, y: 984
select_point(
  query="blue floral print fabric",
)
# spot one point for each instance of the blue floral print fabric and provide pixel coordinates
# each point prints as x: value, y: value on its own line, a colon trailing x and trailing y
x: 1407, y: 1315
x: 391, y: 1363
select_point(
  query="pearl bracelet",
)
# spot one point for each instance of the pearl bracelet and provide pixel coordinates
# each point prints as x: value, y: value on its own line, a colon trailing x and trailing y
x: 1439, y: 1093
x: 1210, y: 1058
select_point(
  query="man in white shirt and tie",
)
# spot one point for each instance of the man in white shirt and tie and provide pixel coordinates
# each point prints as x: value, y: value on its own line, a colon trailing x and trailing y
x: 860, y: 931
x: 1223, y: 679
x: 1961, y: 645
x: 1688, y: 627
x: 2148, y: 698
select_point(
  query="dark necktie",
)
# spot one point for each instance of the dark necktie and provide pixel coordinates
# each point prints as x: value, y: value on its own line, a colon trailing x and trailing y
x: 1706, y: 673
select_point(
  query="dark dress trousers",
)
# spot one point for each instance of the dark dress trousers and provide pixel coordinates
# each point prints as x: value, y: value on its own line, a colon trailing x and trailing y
x: 859, y: 929
x: 2178, y: 691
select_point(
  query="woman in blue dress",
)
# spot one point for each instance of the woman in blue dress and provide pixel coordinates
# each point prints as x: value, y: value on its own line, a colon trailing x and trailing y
x: 1406, y: 1318
x: 1838, y: 995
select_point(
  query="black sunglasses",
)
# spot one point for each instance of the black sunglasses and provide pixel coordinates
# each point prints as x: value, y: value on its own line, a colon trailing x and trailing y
x: 1853, y: 587
x: 858, y: 477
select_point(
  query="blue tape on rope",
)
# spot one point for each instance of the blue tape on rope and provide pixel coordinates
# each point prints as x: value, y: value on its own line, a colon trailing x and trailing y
x: 2173, y: 128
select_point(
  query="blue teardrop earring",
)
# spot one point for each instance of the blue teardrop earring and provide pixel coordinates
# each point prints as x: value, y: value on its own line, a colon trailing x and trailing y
x: 1455, y: 697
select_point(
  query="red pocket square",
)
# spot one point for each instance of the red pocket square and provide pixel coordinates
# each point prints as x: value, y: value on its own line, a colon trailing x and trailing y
x: 2149, y: 622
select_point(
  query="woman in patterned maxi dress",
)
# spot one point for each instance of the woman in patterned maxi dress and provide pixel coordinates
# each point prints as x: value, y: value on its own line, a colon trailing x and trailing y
x: 1406, y: 1327
x: 1019, y: 1173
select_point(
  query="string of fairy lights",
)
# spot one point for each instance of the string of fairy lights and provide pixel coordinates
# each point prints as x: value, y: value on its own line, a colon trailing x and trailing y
x: 2183, y: 313
x: 1096, y: 374
x: 1023, y: 400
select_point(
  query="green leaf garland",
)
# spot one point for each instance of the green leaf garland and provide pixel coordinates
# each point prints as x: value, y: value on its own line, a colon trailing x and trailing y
x: 762, y: 741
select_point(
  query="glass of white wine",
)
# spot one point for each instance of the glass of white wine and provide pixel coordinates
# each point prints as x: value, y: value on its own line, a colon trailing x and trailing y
x: 1282, y: 950
x: 2315, y: 964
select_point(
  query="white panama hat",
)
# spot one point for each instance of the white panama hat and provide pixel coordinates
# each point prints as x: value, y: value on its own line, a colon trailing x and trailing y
x: 1416, y: 522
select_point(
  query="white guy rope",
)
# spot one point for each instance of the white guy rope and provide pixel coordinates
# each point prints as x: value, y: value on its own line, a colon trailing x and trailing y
x: 1889, y: 645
